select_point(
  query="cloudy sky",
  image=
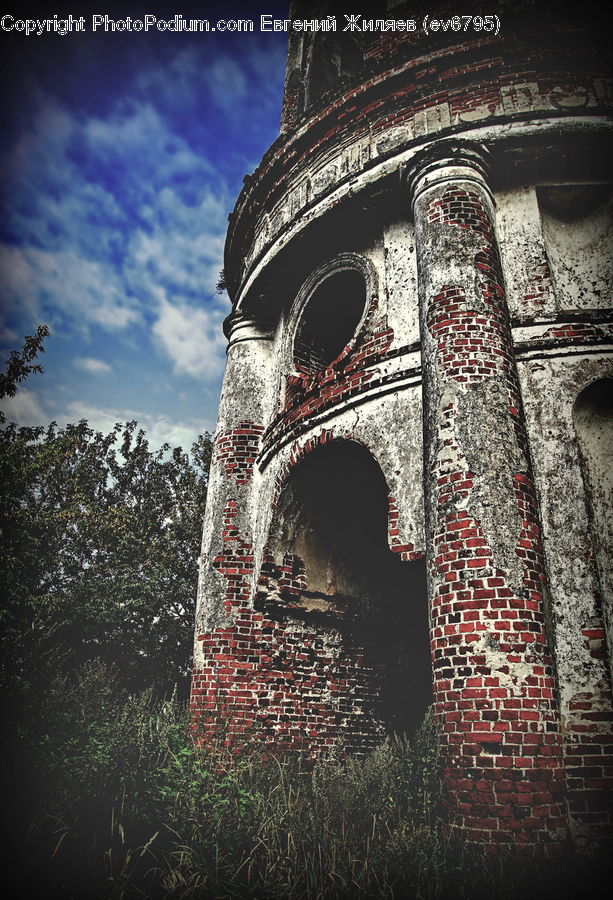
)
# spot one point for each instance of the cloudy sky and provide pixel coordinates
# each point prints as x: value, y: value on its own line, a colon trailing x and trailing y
x: 122, y: 155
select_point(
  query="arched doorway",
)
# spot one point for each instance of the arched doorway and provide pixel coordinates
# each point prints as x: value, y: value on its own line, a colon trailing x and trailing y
x: 329, y: 564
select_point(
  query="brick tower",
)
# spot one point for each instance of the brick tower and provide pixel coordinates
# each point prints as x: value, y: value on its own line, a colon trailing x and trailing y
x: 411, y: 490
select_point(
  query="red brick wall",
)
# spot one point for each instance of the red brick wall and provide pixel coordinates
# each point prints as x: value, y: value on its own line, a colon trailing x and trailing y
x: 298, y: 686
x: 276, y: 671
x: 236, y: 450
x: 309, y: 393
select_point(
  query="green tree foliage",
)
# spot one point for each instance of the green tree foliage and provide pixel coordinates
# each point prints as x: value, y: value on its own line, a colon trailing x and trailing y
x: 100, y: 540
x: 20, y: 364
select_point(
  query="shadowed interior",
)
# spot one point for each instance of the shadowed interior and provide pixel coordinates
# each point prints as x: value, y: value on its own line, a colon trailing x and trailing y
x: 331, y: 525
x: 329, y: 320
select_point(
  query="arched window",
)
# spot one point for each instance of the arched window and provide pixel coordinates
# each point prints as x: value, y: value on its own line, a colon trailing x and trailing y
x: 593, y: 414
x: 329, y: 319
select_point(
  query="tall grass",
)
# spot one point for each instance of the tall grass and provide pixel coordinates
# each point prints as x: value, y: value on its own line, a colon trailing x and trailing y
x: 113, y: 800
x: 341, y: 829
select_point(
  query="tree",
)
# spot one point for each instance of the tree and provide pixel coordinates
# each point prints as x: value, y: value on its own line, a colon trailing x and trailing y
x: 19, y: 364
x: 100, y: 541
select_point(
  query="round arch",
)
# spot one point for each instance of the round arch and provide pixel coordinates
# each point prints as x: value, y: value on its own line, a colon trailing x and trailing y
x: 593, y: 421
x: 330, y: 311
x: 328, y: 563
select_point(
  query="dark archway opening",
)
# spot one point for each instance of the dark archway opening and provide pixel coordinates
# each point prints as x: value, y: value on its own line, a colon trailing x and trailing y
x: 329, y: 547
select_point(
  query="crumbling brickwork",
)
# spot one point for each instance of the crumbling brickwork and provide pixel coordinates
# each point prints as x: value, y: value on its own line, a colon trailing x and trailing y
x: 492, y: 668
x: 236, y: 450
x: 411, y: 493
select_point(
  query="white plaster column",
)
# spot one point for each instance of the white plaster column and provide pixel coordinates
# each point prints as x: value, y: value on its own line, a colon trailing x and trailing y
x: 230, y: 506
x: 493, y: 675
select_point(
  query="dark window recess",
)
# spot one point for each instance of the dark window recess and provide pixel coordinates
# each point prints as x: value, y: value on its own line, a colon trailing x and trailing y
x: 329, y: 320
x: 593, y: 415
x: 569, y: 202
x: 336, y: 60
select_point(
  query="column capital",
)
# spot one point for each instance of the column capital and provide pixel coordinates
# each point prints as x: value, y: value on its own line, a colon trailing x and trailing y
x: 240, y: 326
x: 447, y: 160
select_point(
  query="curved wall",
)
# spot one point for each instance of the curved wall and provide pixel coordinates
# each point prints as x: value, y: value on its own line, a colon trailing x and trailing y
x: 459, y: 186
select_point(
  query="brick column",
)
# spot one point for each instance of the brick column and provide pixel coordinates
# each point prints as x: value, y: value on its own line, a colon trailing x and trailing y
x: 493, y: 675
x: 227, y: 558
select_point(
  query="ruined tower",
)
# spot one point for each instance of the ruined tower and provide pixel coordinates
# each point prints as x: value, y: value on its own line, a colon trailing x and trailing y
x: 411, y: 490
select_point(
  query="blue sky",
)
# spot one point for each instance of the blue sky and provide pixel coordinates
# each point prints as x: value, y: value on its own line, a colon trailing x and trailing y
x: 122, y: 155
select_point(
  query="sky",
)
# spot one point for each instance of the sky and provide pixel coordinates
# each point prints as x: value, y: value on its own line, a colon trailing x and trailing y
x: 121, y: 155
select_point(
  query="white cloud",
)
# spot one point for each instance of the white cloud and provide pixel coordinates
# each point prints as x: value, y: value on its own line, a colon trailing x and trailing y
x: 226, y: 81
x: 27, y: 408
x: 8, y: 336
x: 19, y: 287
x: 159, y: 429
x: 183, y: 247
x: 118, y: 218
x: 177, y: 434
x: 89, y: 364
x: 109, y: 249
x: 24, y: 408
x: 191, y: 337
x: 187, y: 76
x: 88, y: 291
x: 266, y: 63
x: 44, y: 143
x: 173, y: 84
